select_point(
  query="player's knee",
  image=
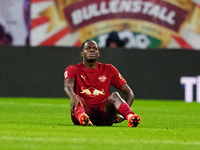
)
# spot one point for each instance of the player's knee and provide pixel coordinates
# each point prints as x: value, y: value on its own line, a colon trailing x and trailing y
x: 114, y: 96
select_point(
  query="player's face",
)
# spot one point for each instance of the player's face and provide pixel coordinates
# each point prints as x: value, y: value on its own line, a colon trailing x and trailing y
x: 90, y: 51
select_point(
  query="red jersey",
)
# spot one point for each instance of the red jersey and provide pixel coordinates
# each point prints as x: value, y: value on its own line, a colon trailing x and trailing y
x: 93, y: 85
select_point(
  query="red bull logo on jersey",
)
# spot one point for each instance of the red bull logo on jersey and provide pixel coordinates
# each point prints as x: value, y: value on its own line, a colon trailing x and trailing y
x: 92, y: 92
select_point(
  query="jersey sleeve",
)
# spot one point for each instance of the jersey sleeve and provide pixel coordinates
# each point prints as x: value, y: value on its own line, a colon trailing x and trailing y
x: 70, y: 72
x: 117, y: 79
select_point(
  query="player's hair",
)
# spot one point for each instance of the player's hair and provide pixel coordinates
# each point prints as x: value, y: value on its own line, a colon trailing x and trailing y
x: 88, y: 40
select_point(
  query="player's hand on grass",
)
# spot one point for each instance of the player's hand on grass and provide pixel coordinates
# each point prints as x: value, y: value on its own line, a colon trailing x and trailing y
x: 118, y: 119
x: 75, y: 101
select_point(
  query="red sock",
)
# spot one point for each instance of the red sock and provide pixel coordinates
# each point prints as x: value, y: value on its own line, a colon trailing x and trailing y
x: 79, y: 110
x: 124, y: 110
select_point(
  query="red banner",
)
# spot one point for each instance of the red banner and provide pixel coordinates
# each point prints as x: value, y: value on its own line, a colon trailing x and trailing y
x: 91, y: 11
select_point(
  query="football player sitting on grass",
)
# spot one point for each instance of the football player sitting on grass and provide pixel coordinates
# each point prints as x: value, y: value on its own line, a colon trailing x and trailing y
x: 88, y: 86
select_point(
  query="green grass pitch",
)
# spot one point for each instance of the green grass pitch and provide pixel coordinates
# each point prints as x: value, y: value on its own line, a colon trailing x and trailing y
x: 44, y: 124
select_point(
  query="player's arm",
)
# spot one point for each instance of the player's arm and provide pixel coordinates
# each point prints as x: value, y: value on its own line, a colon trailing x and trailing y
x: 129, y: 95
x: 120, y: 83
x: 69, y: 90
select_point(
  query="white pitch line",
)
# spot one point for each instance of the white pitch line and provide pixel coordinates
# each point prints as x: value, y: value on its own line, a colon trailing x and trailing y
x: 34, y: 104
x: 197, y: 143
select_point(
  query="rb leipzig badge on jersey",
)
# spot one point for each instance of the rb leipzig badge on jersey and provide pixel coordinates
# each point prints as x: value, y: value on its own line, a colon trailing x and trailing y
x: 102, y: 78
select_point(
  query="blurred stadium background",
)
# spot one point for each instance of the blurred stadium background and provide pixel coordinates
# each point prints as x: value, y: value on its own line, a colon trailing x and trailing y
x: 158, y: 43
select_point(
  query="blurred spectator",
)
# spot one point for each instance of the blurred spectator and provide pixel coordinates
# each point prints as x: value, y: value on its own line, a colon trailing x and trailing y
x: 13, y: 18
x: 113, y: 40
x: 5, y: 38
